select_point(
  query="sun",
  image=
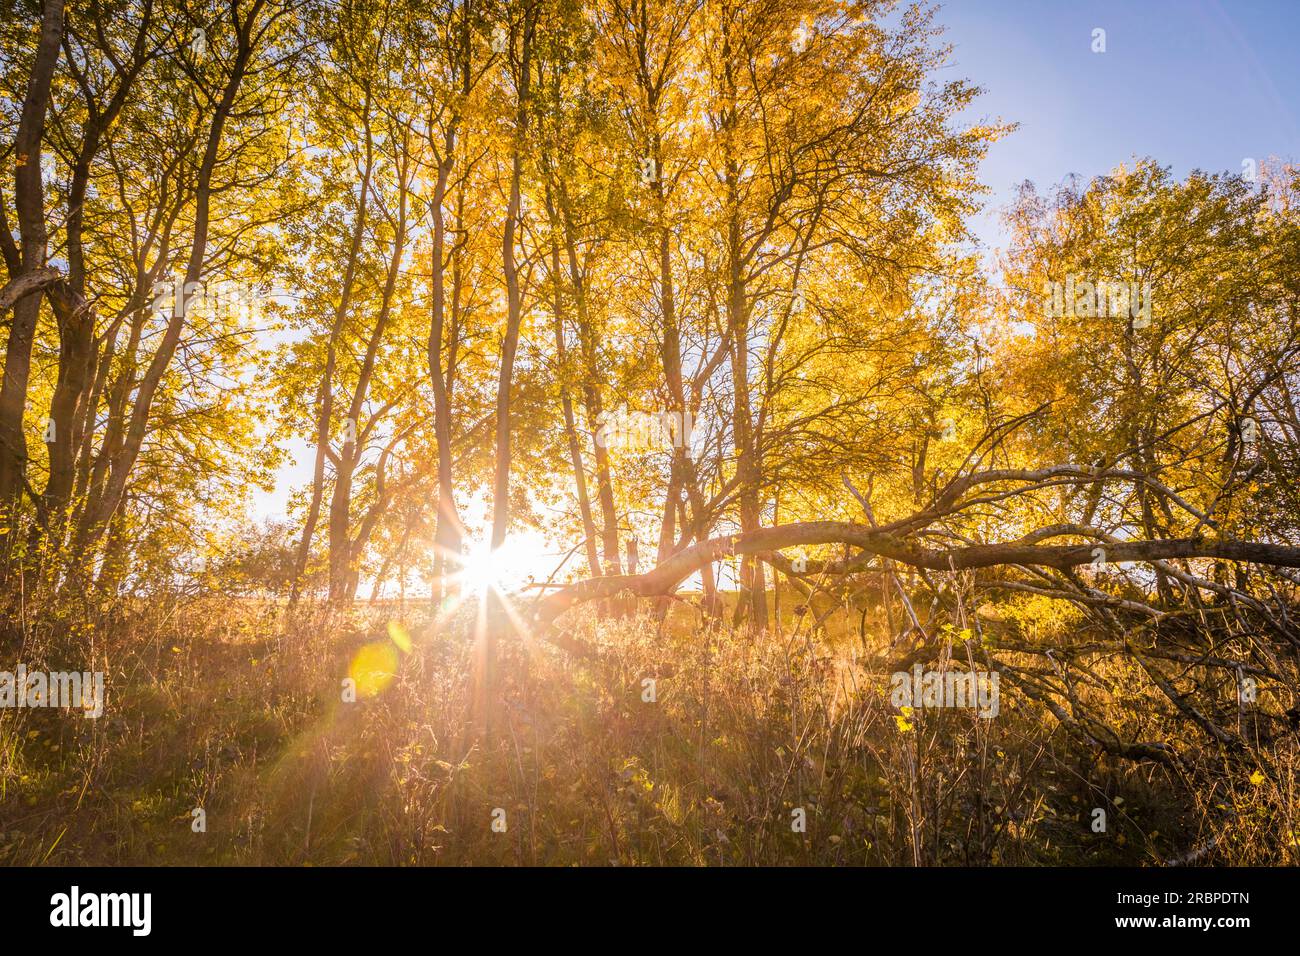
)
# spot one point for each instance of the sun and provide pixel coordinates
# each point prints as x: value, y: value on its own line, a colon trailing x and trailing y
x: 481, y: 568
x: 503, y: 569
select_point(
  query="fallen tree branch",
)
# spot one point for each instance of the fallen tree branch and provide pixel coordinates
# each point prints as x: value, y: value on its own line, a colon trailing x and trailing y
x: 666, y: 577
x: 29, y: 282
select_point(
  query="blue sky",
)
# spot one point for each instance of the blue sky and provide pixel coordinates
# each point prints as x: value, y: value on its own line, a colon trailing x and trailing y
x: 1194, y: 84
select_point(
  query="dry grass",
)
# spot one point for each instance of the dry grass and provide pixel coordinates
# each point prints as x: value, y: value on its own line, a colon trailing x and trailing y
x: 236, y: 708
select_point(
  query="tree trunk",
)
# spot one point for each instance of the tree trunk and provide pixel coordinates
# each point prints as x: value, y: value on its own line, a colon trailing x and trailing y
x: 29, y: 204
x: 570, y: 428
x: 514, y: 302
x: 101, y: 511
x: 325, y: 391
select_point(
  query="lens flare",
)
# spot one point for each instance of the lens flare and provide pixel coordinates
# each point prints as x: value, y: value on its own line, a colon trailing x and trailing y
x: 373, y: 668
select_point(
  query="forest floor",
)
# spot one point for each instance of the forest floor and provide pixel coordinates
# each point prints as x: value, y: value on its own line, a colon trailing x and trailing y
x: 227, y: 739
